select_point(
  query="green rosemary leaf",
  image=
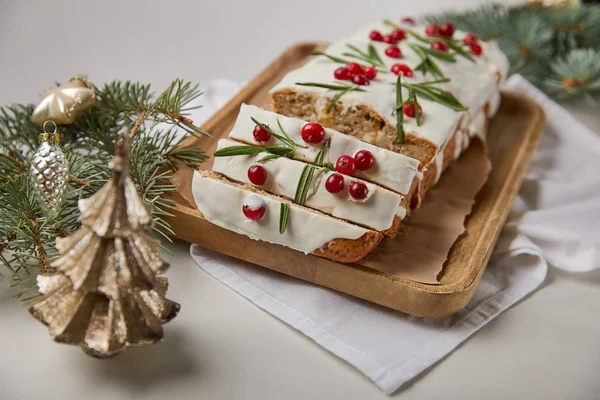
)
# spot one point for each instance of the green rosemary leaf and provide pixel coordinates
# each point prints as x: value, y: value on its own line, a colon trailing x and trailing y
x: 390, y: 23
x: 329, y: 166
x: 418, y: 36
x: 304, y: 184
x: 336, y: 98
x: 416, y: 106
x: 369, y: 58
x: 373, y: 53
x: 238, y: 151
x: 399, y: 113
x: 332, y: 58
x: 328, y: 86
x: 321, y: 154
x: 458, y: 48
x: 441, y: 55
x: 268, y: 157
x: 284, y: 139
x: 283, y: 131
x: 435, y: 82
x: 440, y: 96
x: 284, y: 216
x: 279, y: 150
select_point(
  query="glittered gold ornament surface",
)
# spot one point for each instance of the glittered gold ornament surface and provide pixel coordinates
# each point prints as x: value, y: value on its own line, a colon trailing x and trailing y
x: 49, y: 171
x: 63, y: 104
x: 106, y: 294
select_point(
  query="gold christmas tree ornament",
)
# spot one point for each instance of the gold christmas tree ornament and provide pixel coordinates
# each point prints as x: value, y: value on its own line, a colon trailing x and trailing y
x: 106, y: 293
x: 49, y: 171
x: 65, y: 103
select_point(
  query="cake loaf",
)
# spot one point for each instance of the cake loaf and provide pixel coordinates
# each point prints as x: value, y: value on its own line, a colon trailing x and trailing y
x: 421, y: 91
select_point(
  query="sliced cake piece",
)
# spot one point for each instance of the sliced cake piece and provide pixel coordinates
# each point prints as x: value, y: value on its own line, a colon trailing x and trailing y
x: 246, y: 210
x: 390, y: 170
x: 332, y: 193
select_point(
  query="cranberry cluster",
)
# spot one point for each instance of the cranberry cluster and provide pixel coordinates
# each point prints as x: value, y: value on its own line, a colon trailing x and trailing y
x: 362, y: 160
x: 447, y: 30
x: 392, y: 38
x: 356, y: 73
x: 402, y: 69
x: 473, y: 42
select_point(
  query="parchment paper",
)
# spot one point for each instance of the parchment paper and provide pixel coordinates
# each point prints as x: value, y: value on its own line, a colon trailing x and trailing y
x: 421, y: 247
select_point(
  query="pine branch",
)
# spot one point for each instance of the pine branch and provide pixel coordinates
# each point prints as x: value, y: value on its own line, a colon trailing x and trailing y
x: 27, y: 237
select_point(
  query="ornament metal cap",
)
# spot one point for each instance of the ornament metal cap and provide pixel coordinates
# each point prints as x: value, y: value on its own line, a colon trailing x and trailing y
x: 49, y: 136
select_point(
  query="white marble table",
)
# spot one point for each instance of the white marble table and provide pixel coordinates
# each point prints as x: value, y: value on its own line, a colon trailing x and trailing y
x: 221, y: 346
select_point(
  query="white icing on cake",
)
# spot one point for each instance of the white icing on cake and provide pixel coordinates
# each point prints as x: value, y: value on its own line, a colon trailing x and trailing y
x: 221, y: 204
x: 376, y: 211
x: 473, y: 83
x: 391, y: 170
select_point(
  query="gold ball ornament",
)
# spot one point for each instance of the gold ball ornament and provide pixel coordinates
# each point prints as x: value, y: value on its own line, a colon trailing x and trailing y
x: 65, y: 103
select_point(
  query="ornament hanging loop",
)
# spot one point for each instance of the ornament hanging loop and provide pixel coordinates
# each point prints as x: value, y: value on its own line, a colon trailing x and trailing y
x: 49, y: 136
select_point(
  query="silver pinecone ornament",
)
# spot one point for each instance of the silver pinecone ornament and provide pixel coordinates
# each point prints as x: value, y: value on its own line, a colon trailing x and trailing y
x: 49, y: 171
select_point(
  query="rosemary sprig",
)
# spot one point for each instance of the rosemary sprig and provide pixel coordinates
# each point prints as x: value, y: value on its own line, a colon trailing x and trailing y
x: 238, y: 151
x: 284, y: 132
x: 440, y: 55
x: 336, y: 59
x: 284, y: 216
x: 432, y: 93
x: 244, y: 150
x: 370, y: 57
x: 399, y: 113
x: 427, y: 64
x: 452, y: 44
x: 268, y: 157
x: 342, y: 88
x: 304, y: 184
x: 284, y: 139
x: 321, y: 154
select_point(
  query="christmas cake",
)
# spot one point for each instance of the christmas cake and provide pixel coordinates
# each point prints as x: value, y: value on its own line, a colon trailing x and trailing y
x: 358, y: 136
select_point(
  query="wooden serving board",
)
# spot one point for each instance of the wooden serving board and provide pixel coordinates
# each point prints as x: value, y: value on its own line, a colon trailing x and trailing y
x: 513, y: 134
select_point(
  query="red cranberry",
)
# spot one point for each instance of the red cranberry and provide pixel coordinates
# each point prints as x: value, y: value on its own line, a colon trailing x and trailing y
x: 439, y: 46
x: 432, y: 30
x: 398, y: 35
x: 257, y: 174
x: 470, y: 39
x: 476, y: 49
x: 447, y: 29
x: 376, y: 36
x: 254, y: 208
x: 389, y: 39
x: 393, y: 52
x: 313, y: 133
x: 342, y: 74
x: 358, y: 190
x: 261, y: 135
x: 409, y: 21
x: 409, y: 109
x: 370, y: 72
x: 345, y: 165
x: 334, y: 183
x: 364, y: 160
x: 402, y: 68
x: 354, y: 68
x: 360, y: 79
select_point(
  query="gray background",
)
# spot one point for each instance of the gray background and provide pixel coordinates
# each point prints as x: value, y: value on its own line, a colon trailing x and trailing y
x: 221, y: 346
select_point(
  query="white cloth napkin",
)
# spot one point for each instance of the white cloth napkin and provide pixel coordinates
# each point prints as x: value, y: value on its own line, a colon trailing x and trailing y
x: 555, y: 221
